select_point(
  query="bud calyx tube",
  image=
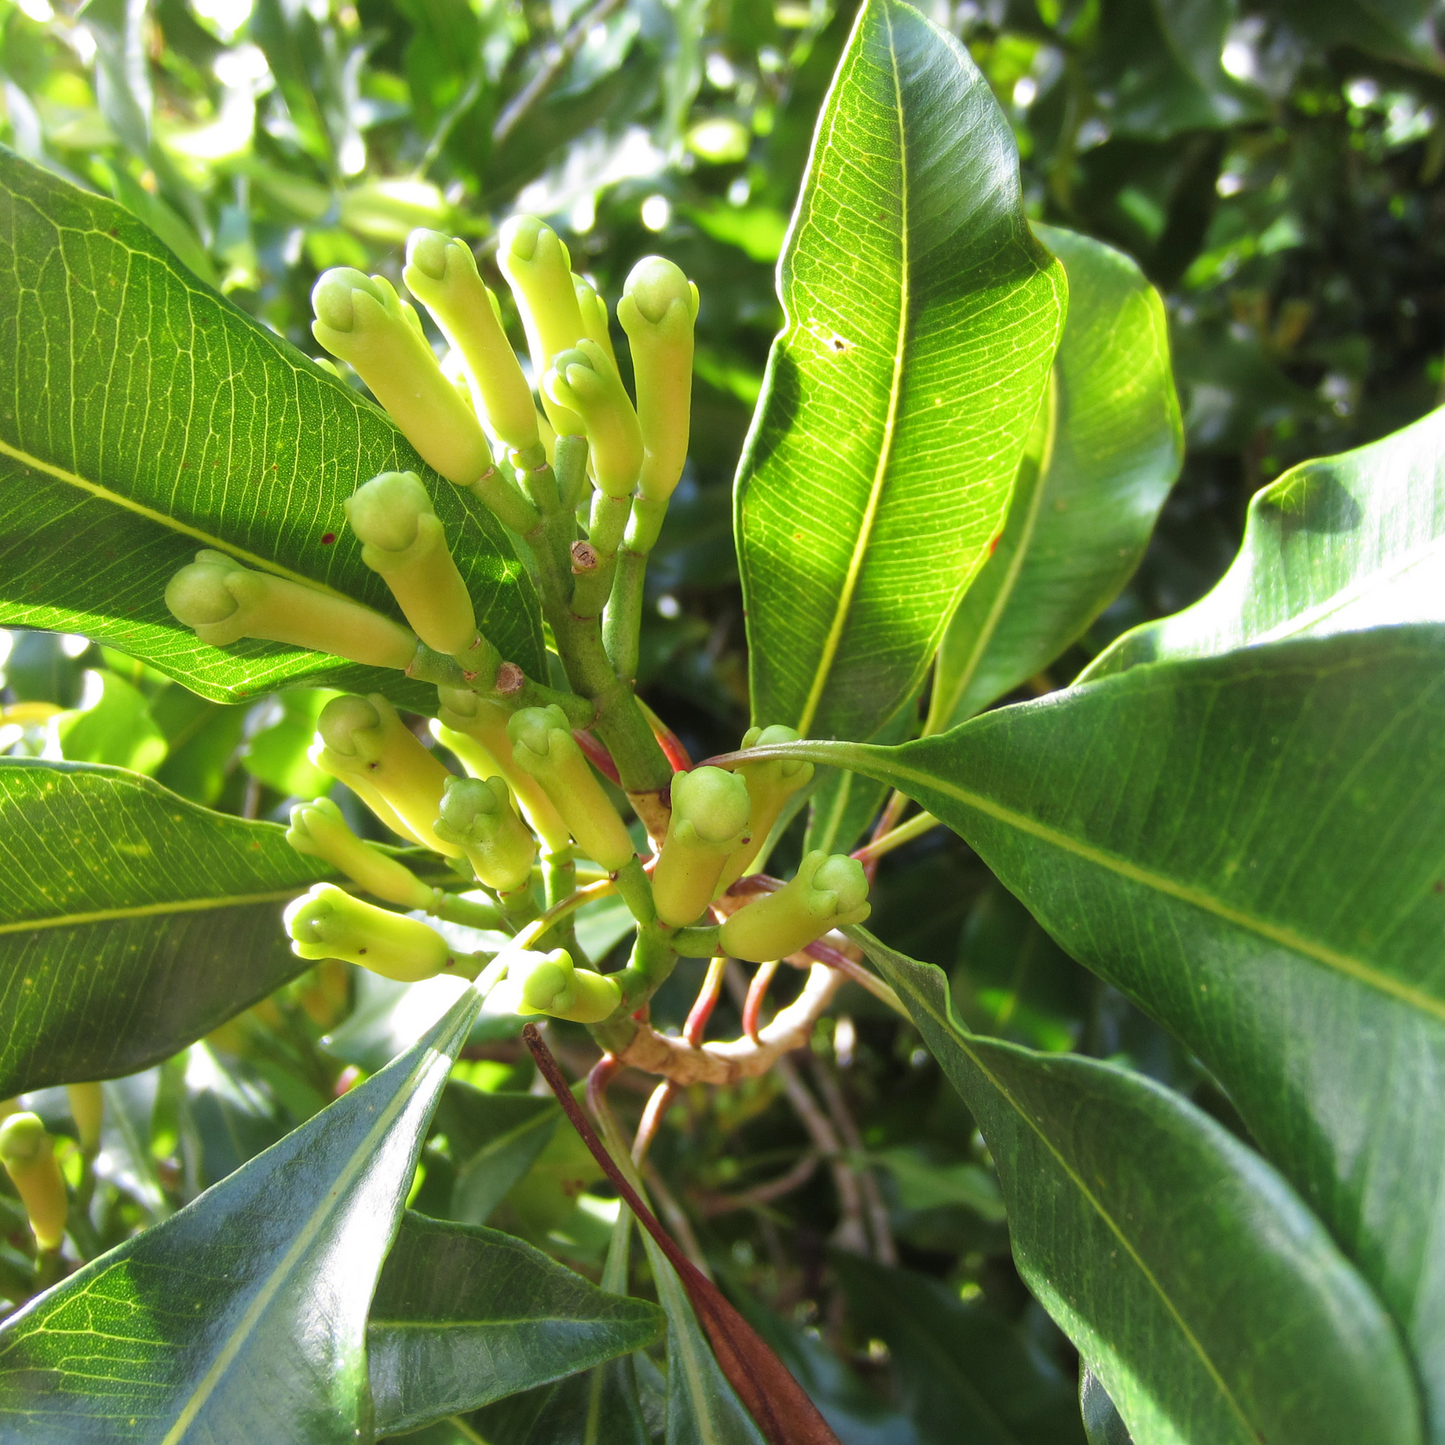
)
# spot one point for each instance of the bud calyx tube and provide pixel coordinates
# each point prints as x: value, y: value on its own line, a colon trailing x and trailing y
x: 710, y: 810
x: 402, y: 539
x: 224, y: 602
x: 828, y: 892
x: 770, y: 784
x: 28, y: 1153
x: 329, y: 923
x: 363, y: 321
x: 584, y: 379
x: 543, y: 745
x: 319, y: 831
x: 549, y: 983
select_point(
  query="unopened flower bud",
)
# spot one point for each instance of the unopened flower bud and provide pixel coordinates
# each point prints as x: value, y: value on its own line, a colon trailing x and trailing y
x: 710, y: 810
x: 402, y: 538
x: 330, y: 923
x: 476, y: 731
x: 594, y: 316
x: 585, y: 381
x: 477, y: 816
x: 87, y: 1108
x: 364, y: 740
x: 363, y: 321
x: 225, y: 602
x: 539, y: 271
x: 770, y: 784
x: 319, y: 831
x: 549, y: 983
x: 441, y: 273
x: 828, y: 892
x: 657, y: 311
x: 543, y: 745
x: 28, y: 1153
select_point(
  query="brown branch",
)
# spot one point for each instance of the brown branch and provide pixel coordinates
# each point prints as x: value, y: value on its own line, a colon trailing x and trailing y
x: 776, y: 1401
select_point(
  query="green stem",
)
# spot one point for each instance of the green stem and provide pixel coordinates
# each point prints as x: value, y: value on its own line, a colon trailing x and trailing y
x: 467, y: 911
x: 653, y: 959
x: 622, y: 622
x: 635, y: 888
x: 559, y: 878
x: 697, y: 942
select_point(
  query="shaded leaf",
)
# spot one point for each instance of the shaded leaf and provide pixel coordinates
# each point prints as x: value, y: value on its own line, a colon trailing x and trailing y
x: 1105, y: 451
x: 142, y: 417
x: 1101, y: 1420
x: 118, y: 730
x: 236, y: 1321
x: 922, y: 318
x: 464, y: 1316
x: 131, y: 921
x: 495, y: 1139
x: 1190, y: 1276
x: 1264, y: 825
x: 1335, y: 545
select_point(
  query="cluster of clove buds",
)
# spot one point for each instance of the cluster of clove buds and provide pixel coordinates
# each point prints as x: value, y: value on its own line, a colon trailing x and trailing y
x: 587, y: 459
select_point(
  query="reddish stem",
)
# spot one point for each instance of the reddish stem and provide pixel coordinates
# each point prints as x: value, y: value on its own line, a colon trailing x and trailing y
x: 597, y: 755
x: 757, y: 992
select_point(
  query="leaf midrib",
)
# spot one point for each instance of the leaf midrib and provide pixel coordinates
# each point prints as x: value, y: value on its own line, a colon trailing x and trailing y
x: 150, y: 910
x: 360, y: 1159
x: 220, y: 544
x: 895, y: 394
x: 961, y: 1039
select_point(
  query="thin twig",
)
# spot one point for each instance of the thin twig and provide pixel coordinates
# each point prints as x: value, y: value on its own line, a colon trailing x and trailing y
x: 757, y: 993
x: 915, y: 827
x: 851, y: 1233
x: 546, y: 77
x: 762, y: 1194
x: 884, y: 1249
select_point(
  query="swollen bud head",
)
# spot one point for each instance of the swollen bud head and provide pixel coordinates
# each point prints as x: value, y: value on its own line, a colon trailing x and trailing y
x: 654, y: 284
x: 477, y: 815
x: 770, y: 784
x: 384, y: 512
x: 549, y: 983
x: 333, y: 296
x: 710, y: 811
x: 319, y: 831
x: 713, y: 803
x: 584, y: 380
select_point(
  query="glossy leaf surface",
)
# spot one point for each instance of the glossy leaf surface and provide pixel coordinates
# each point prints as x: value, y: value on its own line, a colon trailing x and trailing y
x: 235, y: 1320
x: 1104, y: 453
x: 1191, y: 1277
x: 464, y: 1316
x: 921, y: 321
x: 131, y: 921
x: 1263, y: 825
x: 1335, y: 545
x: 143, y: 417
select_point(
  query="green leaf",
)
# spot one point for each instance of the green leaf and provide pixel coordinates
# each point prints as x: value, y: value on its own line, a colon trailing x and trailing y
x: 1105, y: 452
x: 495, y: 1138
x: 131, y: 921
x: 599, y: 1407
x: 1262, y: 826
x: 890, y: 430
x: 1101, y: 1420
x: 276, y: 755
x: 117, y: 730
x: 1335, y: 545
x: 464, y: 1316
x: 143, y: 417
x: 1192, y: 1279
x: 962, y: 1371
x: 243, y: 1317
x: 1394, y: 29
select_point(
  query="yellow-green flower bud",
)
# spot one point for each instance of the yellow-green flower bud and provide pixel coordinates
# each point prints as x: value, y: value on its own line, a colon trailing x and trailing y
x: 543, y: 745
x: 225, y: 602
x: 586, y: 382
x: 87, y: 1108
x: 594, y: 316
x: 770, y: 784
x: 318, y: 830
x: 320, y: 756
x: 442, y: 274
x: 828, y: 892
x: 476, y: 731
x: 402, y: 538
x: 477, y: 816
x: 329, y: 923
x: 710, y: 810
x: 363, y: 321
x: 657, y: 311
x: 549, y: 983
x: 365, y: 739
x: 539, y: 271
x: 28, y: 1153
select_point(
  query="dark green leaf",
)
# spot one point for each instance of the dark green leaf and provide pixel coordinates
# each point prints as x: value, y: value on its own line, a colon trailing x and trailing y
x: 963, y: 1371
x: 1192, y: 1279
x: 1101, y: 1420
x: 464, y: 1316
x: 143, y: 417
x: 243, y: 1317
x: 131, y: 921
x: 1335, y: 545
x: 1105, y: 451
x: 888, y: 436
x: 1395, y: 29
x: 1261, y: 826
x: 495, y: 1139
x: 599, y: 1407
